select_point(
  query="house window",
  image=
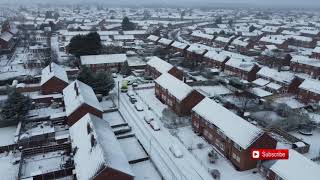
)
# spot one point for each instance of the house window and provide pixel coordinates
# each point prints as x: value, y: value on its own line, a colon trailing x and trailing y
x: 237, y: 146
x: 236, y: 157
x: 219, y: 144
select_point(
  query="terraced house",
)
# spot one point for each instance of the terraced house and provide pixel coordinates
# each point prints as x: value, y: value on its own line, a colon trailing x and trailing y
x: 233, y: 136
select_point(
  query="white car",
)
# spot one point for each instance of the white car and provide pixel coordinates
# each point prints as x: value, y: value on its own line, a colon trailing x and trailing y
x: 176, y: 151
x: 155, y: 126
x: 148, y: 117
x: 138, y: 106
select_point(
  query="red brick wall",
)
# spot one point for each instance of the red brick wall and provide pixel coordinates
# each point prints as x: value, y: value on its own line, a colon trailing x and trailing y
x: 306, y: 96
x: 80, y: 112
x: 54, y: 85
x: 176, y: 73
x: 112, y: 174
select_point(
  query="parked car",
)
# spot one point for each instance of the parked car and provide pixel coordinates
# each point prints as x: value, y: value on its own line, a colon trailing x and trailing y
x: 130, y: 93
x: 138, y: 106
x: 176, y: 151
x: 114, y: 75
x: 133, y: 100
x: 154, y: 125
x: 135, y: 84
x: 148, y: 117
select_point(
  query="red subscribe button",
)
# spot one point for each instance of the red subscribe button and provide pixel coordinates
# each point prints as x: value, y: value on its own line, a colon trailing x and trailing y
x: 269, y: 154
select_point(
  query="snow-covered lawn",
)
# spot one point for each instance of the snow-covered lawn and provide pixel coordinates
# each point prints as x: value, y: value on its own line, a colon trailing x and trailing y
x: 7, y: 135
x: 145, y: 171
x: 290, y: 101
x: 8, y: 171
x: 113, y: 118
x: 313, y: 140
x: 107, y: 104
x: 266, y: 116
x: 227, y: 170
x: 132, y: 149
x: 148, y: 96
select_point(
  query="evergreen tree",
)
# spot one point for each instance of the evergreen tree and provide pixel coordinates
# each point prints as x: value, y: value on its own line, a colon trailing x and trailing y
x: 101, y: 82
x: 127, y: 25
x: 219, y: 20
x: 15, y: 108
x: 89, y: 44
x: 252, y: 28
x: 125, y: 70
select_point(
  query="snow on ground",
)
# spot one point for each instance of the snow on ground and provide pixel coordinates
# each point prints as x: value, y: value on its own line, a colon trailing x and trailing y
x: 148, y: 96
x: 113, y: 118
x: 107, y: 104
x: 8, y: 170
x: 290, y: 101
x: 212, y: 91
x: 7, y: 135
x: 313, y: 140
x: 145, y: 171
x: 132, y: 149
x: 42, y: 163
x: 227, y: 170
x: 315, y: 117
x: 266, y: 116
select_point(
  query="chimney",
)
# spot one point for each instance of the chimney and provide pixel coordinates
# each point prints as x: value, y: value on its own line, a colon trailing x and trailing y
x: 76, y: 89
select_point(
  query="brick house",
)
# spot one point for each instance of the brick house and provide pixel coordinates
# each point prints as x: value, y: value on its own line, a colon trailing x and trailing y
x: 310, y: 32
x: 241, y: 44
x: 179, y: 46
x: 302, y: 41
x: 92, y: 139
x: 104, y: 62
x: 306, y: 65
x: 241, y: 68
x: 198, y: 36
x: 195, y: 53
x: 316, y: 53
x: 53, y: 79
x: 280, y: 81
x: 79, y: 99
x: 280, y: 41
x: 222, y: 42
x: 6, y: 42
x: 156, y: 66
x: 180, y: 97
x: 296, y: 167
x: 233, y: 136
x: 216, y: 59
x: 309, y: 91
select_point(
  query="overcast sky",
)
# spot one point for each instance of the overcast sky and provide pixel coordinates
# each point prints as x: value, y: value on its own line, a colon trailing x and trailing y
x: 275, y: 3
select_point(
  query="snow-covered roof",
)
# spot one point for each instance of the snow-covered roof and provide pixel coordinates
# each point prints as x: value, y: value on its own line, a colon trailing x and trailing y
x: 234, y: 127
x: 311, y: 85
x: 135, y: 32
x: 106, y: 152
x: 6, y: 36
x: 165, y: 41
x: 240, y: 64
x: 196, y: 48
x: 179, y: 45
x: 296, y: 167
x: 159, y: 64
x: 306, y: 60
x: 260, y: 82
x: 316, y: 50
x: 123, y: 37
x: 53, y: 70
x: 283, y: 76
x: 202, y: 35
x: 85, y: 95
x: 274, y: 39
x: 216, y: 56
x: 153, y: 38
x: 103, y: 59
x: 175, y: 87
x: 260, y: 92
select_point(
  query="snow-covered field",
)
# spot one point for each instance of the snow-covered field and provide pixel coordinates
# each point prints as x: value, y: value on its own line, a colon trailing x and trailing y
x: 132, y: 148
x: 314, y: 142
x: 7, y: 135
x: 113, y: 118
x: 227, y: 170
x: 8, y: 171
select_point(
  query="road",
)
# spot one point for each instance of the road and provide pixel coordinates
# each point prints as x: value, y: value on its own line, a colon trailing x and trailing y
x: 157, y: 144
